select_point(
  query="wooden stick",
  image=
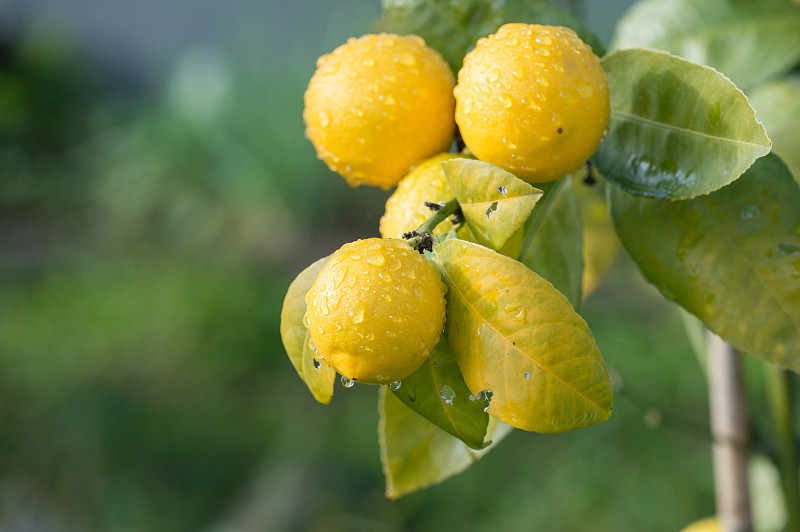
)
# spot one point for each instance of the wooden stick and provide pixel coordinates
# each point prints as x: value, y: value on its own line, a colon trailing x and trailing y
x: 729, y: 428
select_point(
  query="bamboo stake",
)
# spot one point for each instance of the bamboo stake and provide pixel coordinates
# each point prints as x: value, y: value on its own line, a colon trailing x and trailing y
x: 729, y: 429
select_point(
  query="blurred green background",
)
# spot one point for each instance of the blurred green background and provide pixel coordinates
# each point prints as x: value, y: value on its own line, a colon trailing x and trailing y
x: 157, y: 196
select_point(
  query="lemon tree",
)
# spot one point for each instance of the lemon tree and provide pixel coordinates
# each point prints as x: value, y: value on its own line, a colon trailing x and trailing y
x: 466, y: 312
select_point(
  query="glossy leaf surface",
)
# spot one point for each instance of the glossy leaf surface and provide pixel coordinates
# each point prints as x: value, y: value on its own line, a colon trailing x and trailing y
x: 552, y: 246
x: 777, y: 104
x: 745, y: 40
x: 454, y: 26
x: 316, y: 373
x: 416, y: 454
x: 437, y: 391
x: 677, y: 129
x: 731, y: 258
x: 517, y: 337
x: 495, y: 203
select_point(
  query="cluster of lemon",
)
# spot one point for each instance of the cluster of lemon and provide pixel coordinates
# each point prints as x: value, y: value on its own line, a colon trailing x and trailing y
x: 382, y: 110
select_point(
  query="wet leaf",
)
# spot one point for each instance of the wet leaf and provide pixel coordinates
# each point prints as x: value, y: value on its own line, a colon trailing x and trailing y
x: 495, y: 203
x: 777, y: 105
x: 316, y: 373
x: 515, y: 335
x: 747, y: 41
x: 677, y: 129
x: 454, y: 26
x: 731, y: 258
x: 416, y: 454
x: 552, y: 242
x: 437, y: 391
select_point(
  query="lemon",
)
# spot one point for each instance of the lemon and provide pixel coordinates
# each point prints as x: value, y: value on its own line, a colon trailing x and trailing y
x: 709, y: 524
x: 376, y: 310
x: 533, y: 100
x: 405, y: 208
x: 378, y: 105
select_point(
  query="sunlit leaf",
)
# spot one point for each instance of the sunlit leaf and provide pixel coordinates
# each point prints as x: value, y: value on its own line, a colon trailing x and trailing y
x: 677, y: 129
x: 745, y: 40
x: 601, y: 245
x: 316, y: 373
x: 437, y: 391
x: 552, y: 241
x: 416, y: 454
x: 454, y: 26
x: 777, y: 105
x: 731, y: 258
x: 495, y: 203
x: 519, y: 339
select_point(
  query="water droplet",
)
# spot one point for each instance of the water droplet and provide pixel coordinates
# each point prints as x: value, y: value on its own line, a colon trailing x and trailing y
x: 502, y: 190
x: 317, y: 363
x: 493, y: 76
x: 788, y: 248
x: 518, y: 74
x: 311, y: 345
x: 357, y: 315
x: 749, y: 212
x: 506, y: 101
x: 492, y: 208
x: 306, y: 321
x: 395, y: 385
x: 472, y: 397
x: 385, y: 277
x: 369, y: 63
x: 406, y: 59
x: 527, y: 375
x: 324, y: 118
x: 347, y: 383
x: 584, y: 91
x: 520, y: 316
x: 447, y: 394
x: 376, y: 259
x: 325, y: 310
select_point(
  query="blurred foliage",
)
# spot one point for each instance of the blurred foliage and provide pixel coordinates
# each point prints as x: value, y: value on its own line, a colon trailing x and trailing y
x: 147, y: 237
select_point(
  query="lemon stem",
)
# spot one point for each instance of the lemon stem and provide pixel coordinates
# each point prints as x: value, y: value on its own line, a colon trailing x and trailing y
x: 430, y: 224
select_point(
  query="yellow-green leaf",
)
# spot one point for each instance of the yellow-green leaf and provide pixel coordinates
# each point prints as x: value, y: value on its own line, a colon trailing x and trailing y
x: 777, y: 105
x: 317, y: 374
x: 437, y: 391
x: 517, y: 337
x: 495, y: 203
x: 416, y: 454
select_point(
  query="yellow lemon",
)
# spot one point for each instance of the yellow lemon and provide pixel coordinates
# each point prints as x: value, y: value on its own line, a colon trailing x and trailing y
x: 405, y: 208
x: 378, y: 105
x: 376, y: 310
x: 533, y: 100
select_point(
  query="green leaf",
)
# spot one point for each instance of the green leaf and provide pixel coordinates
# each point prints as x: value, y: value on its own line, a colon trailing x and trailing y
x: 731, y: 258
x: 495, y: 203
x: 745, y: 40
x: 437, y: 391
x: 316, y: 373
x: 454, y: 26
x: 677, y: 129
x: 416, y: 454
x: 518, y: 339
x: 552, y: 245
x: 777, y: 105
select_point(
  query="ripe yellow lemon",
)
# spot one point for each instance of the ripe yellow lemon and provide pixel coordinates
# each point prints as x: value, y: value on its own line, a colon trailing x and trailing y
x: 376, y: 310
x: 533, y: 100
x: 378, y: 105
